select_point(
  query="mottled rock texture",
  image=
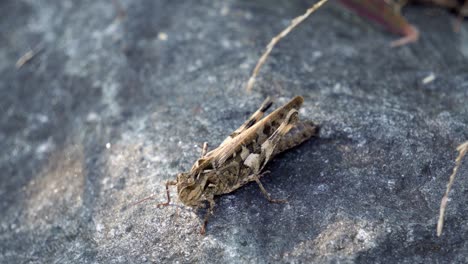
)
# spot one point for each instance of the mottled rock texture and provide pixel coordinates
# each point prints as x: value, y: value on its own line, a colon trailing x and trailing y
x: 113, y: 106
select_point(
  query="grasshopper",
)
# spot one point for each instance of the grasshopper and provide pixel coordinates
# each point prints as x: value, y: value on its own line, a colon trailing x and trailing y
x: 242, y: 156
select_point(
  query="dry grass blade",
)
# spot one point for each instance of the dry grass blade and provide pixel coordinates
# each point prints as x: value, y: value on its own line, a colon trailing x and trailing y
x: 462, y: 149
x: 296, y: 21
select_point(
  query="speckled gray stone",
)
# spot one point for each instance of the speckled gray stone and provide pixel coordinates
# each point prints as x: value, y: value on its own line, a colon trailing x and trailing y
x: 111, y: 108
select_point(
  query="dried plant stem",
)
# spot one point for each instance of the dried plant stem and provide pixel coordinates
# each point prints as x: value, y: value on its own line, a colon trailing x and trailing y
x: 462, y: 149
x: 294, y: 23
x: 25, y: 58
x: 29, y: 55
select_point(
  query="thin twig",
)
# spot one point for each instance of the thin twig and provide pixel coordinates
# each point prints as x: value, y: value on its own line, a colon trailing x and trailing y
x: 25, y: 58
x: 296, y: 21
x: 462, y: 149
x: 28, y: 56
x: 143, y: 200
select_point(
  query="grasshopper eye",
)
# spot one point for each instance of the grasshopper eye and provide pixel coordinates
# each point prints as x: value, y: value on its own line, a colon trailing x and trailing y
x: 185, y: 178
x: 182, y: 177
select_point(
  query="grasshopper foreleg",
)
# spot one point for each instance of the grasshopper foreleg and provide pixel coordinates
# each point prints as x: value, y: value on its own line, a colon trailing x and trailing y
x: 167, y: 193
x: 208, y: 214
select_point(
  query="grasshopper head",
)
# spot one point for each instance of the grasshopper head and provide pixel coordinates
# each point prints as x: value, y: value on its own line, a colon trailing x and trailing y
x: 190, y: 190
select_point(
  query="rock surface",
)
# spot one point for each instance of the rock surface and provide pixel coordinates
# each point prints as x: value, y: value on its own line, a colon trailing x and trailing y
x: 113, y: 106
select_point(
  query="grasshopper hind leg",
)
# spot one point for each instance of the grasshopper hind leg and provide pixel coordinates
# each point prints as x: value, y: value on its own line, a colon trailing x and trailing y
x: 252, y: 120
x: 301, y: 132
x: 257, y: 161
x: 267, y: 195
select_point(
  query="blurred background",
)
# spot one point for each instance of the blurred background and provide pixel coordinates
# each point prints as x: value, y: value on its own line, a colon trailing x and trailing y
x: 102, y: 102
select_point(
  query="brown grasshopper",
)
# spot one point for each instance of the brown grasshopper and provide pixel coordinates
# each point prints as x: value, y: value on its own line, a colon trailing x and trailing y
x: 241, y: 157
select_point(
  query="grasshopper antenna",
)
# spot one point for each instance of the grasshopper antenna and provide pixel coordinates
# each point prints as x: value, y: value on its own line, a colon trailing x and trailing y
x: 142, y: 200
x: 153, y: 195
